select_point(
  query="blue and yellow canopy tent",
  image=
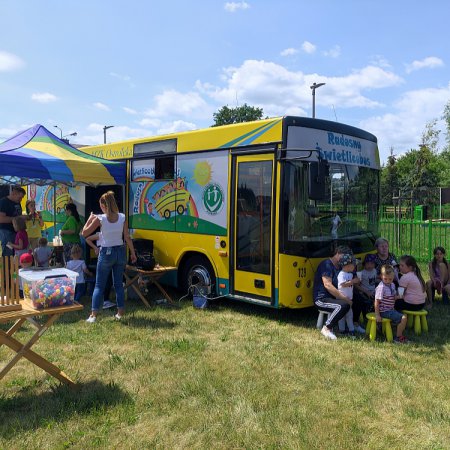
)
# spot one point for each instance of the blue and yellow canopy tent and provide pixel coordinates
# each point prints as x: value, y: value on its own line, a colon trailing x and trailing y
x: 37, y: 156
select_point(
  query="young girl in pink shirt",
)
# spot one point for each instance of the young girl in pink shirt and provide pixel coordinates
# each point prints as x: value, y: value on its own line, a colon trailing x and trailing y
x: 414, y: 285
x: 21, y: 244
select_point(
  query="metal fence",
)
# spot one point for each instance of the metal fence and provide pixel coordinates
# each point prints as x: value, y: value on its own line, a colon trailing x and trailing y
x: 408, y: 234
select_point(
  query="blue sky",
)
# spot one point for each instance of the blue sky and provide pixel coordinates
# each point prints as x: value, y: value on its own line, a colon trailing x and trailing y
x: 150, y: 67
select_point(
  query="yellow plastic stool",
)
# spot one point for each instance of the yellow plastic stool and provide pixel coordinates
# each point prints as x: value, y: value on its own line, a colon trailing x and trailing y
x: 371, y: 328
x: 419, y: 318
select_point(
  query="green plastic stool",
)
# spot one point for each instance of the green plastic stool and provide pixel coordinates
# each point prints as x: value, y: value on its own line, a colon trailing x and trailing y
x: 419, y: 319
x: 371, y: 328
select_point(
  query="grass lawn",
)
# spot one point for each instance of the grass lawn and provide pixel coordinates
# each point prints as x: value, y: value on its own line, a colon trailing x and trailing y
x: 232, y: 376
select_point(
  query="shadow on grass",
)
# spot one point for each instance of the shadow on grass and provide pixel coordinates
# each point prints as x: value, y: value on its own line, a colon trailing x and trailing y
x: 436, y: 339
x: 305, y: 317
x: 27, y: 410
x: 144, y: 322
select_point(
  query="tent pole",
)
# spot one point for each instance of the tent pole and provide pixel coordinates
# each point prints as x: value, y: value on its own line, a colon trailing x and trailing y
x: 54, y: 210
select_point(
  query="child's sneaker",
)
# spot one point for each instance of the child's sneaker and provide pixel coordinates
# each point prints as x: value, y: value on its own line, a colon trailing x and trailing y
x: 328, y: 333
x: 91, y: 319
x: 400, y: 340
x: 351, y: 335
x: 359, y: 329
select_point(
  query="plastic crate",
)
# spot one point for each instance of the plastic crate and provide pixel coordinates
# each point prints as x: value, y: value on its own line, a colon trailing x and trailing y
x: 49, y: 288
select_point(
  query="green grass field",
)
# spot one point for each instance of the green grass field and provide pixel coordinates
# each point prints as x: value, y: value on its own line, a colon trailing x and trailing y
x: 233, y: 376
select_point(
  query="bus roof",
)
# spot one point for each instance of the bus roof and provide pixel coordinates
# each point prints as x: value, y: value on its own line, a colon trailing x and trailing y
x: 260, y: 132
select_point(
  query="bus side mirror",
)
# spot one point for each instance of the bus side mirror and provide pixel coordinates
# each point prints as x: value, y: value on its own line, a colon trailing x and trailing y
x: 318, y: 172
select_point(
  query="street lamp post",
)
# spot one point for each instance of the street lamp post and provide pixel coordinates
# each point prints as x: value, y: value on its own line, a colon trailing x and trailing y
x: 314, y: 87
x: 106, y: 127
x: 56, y: 126
x: 64, y: 138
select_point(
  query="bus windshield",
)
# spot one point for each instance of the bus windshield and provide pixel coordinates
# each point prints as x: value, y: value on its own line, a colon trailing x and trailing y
x: 348, y: 213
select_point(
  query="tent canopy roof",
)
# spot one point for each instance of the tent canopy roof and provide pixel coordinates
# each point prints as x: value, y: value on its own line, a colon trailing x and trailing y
x: 37, y: 156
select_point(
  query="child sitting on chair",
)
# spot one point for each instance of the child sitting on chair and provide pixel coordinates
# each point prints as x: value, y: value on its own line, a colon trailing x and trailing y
x: 385, y: 296
x: 439, y: 271
x: 346, y: 281
x: 78, y: 265
x: 366, y: 289
x: 42, y: 253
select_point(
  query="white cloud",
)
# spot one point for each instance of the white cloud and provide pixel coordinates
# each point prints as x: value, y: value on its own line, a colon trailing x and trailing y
x: 94, y: 131
x: 125, y: 78
x: 101, y: 106
x: 403, y: 126
x: 307, y: 47
x: 44, y: 97
x: 278, y: 90
x: 380, y: 61
x: 120, y: 77
x: 289, y: 52
x: 94, y: 134
x: 129, y: 110
x: 175, y: 126
x: 9, y: 62
x: 427, y: 63
x: 152, y: 123
x: 234, y: 6
x: 334, y: 52
x: 174, y: 103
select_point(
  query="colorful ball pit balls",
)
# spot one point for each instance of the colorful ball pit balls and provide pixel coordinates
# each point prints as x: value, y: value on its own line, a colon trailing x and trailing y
x: 53, y: 292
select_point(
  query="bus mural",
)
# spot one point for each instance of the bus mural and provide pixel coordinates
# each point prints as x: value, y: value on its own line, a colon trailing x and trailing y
x: 192, y: 202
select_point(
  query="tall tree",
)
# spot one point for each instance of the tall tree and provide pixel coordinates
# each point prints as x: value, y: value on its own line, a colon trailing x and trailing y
x: 389, y: 179
x: 244, y: 113
x: 446, y: 117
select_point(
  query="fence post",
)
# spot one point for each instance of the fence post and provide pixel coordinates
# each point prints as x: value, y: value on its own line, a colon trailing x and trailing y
x: 430, y: 236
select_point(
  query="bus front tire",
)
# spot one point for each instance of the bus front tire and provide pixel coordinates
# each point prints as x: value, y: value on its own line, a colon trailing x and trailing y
x: 199, y: 272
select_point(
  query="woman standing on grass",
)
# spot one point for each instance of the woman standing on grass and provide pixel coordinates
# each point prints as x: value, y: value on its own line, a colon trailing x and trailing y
x: 439, y: 272
x: 70, y: 231
x: 112, y: 254
x: 34, y: 224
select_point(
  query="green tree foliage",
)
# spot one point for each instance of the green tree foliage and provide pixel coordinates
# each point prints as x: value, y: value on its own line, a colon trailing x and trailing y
x: 446, y: 118
x: 389, y: 180
x: 417, y: 174
x: 244, y: 113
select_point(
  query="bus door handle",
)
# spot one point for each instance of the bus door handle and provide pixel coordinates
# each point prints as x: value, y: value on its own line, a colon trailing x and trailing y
x: 260, y: 284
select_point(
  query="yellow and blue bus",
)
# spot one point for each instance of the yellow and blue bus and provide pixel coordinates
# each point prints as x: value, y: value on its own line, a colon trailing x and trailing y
x: 252, y: 205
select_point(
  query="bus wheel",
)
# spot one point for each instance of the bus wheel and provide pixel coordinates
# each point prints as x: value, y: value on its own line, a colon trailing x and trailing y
x: 198, y: 272
x: 167, y: 214
x: 180, y: 209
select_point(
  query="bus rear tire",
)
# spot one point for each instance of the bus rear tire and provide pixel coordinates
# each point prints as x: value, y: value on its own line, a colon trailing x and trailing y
x: 198, y: 271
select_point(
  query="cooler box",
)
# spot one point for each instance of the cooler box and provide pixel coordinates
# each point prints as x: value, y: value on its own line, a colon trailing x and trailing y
x: 49, y: 288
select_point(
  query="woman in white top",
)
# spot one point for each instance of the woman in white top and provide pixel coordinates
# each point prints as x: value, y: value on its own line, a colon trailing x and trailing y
x: 112, y: 255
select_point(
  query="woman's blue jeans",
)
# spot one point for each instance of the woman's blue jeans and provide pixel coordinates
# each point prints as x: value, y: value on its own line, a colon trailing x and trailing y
x: 110, y: 259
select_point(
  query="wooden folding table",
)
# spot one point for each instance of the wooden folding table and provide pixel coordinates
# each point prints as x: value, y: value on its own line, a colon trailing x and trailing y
x: 28, y: 313
x: 153, y: 275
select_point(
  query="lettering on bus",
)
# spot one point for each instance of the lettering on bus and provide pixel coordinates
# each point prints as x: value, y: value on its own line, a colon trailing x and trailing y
x: 116, y: 153
x: 137, y: 197
x: 344, y: 156
x: 334, y: 139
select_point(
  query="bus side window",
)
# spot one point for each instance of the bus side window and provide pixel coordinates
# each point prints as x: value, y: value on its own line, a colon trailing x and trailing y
x: 165, y: 168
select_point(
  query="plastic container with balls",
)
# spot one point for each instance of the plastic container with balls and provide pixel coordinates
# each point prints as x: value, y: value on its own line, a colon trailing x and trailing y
x: 49, y: 288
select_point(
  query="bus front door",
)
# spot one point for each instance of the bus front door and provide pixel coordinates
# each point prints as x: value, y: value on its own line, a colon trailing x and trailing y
x: 252, y: 215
